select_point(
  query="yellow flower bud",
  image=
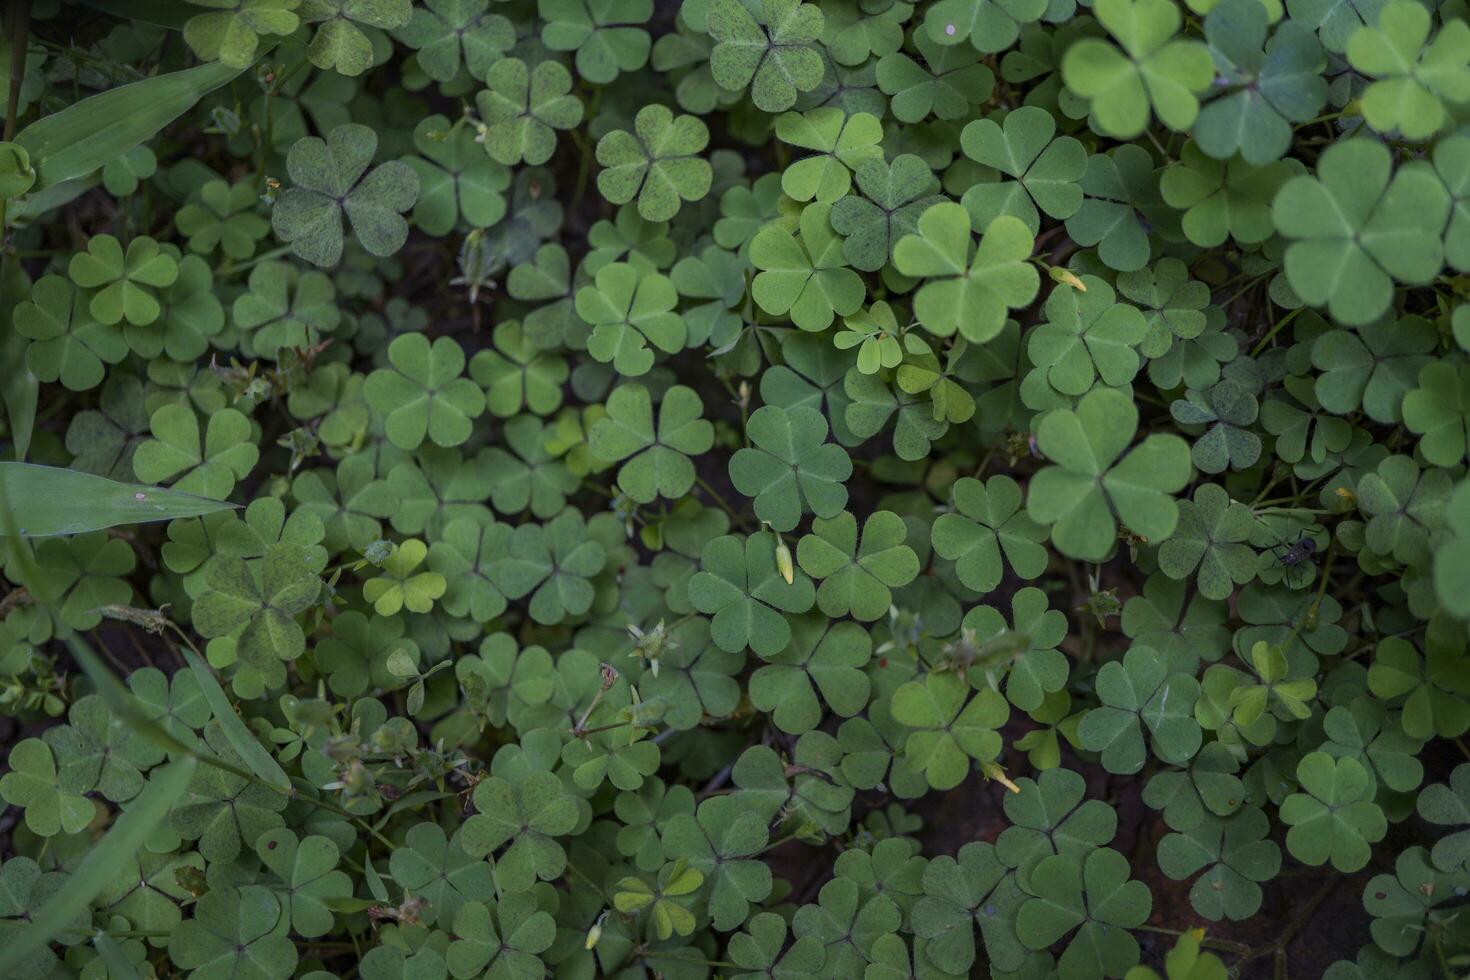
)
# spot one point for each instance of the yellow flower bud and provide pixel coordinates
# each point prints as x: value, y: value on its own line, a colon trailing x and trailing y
x: 783, y: 562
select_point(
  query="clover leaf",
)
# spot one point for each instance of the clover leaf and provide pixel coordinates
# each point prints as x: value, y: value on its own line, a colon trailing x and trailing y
x: 264, y: 601
x: 1411, y: 77
x: 1354, y: 231
x: 1153, y: 70
x: 740, y: 585
x: 792, y: 468
x: 658, y: 163
x: 1046, y: 173
x: 1211, y: 539
x: 823, y: 659
x: 1138, y: 692
x: 1094, y: 896
x: 967, y: 293
x: 422, y: 394
x: 1271, y: 84
x: 232, y: 30
x: 857, y: 577
x: 949, y: 727
x: 330, y: 180
x: 124, y: 283
x: 31, y: 784
x: 893, y: 197
x: 841, y: 144
x: 522, y: 108
x: 449, y: 33
x: 989, y: 522
x: 1438, y: 410
x: 629, y: 309
x: 505, y: 939
x: 67, y: 342
x: 209, y: 469
x: 606, y: 34
x: 528, y: 815
x: 1333, y: 818
x: 234, y: 930
x: 1087, y: 335
x: 658, y: 462
x: 1236, y: 856
x: 455, y: 180
x: 770, y: 49
x: 1093, y: 484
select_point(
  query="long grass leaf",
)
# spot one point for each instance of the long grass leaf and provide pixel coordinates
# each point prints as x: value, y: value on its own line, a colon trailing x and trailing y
x: 102, y: 864
x: 50, y: 500
x: 102, y: 127
x: 257, y: 759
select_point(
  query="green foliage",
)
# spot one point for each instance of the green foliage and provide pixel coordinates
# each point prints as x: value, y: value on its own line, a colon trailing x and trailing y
x: 752, y: 488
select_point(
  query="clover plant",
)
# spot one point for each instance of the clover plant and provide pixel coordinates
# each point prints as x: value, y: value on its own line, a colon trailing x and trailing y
x: 520, y: 489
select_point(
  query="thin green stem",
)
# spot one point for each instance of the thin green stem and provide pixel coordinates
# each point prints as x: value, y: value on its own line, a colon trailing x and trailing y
x: 719, y: 498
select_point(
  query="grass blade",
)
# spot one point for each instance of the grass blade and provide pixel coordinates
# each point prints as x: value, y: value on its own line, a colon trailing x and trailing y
x: 84, y: 136
x: 119, y: 967
x: 257, y: 759
x: 102, y: 864
x: 50, y: 500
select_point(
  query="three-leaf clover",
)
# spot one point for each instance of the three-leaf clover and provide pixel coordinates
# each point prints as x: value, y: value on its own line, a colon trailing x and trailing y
x: 805, y: 277
x: 1334, y: 817
x: 1093, y: 895
x: 124, y: 281
x: 791, y: 467
x: 209, y: 468
x: 1154, y: 70
x: 841, y: 143
x: 1046, y: 173
x: 741, y: 586
x: 659, y: 163
x: 1087, y: 335
x: 1093, y: 485
x: 771, y: 49
x: 1211, y: 539
x: 448, y: 34
x: 1271, y: 84
x: 264, y: 600
x: 455, y: 179
x: 857, y: 577
x: 67, y: 342
x: 234, y: 932
x: 1236, y: 854
x: 1354, y: 231
x: 658, y: 459
x: 967, y: 292
x: 1138, y: 692
x: 988, y: 521
x: 231, y: 30
x: 330, y: 180
x: 629, y: 308
x: 421, y: 393
x: 950, y: 727
x: 1411, y: 78
x: 607, y: 35
x: 522, y: 108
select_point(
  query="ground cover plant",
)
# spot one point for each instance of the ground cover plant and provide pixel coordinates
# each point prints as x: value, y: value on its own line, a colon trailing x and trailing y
x: 734, y: 488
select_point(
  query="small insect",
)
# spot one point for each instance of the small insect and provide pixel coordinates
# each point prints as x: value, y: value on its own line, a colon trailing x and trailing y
x: 1297, y: 557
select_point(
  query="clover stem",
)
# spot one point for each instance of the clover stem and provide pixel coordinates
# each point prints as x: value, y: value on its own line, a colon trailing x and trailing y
x: 227, y: 266
x: 1275, y: 329
x: 1223, y: 945
x: 719, y: 498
